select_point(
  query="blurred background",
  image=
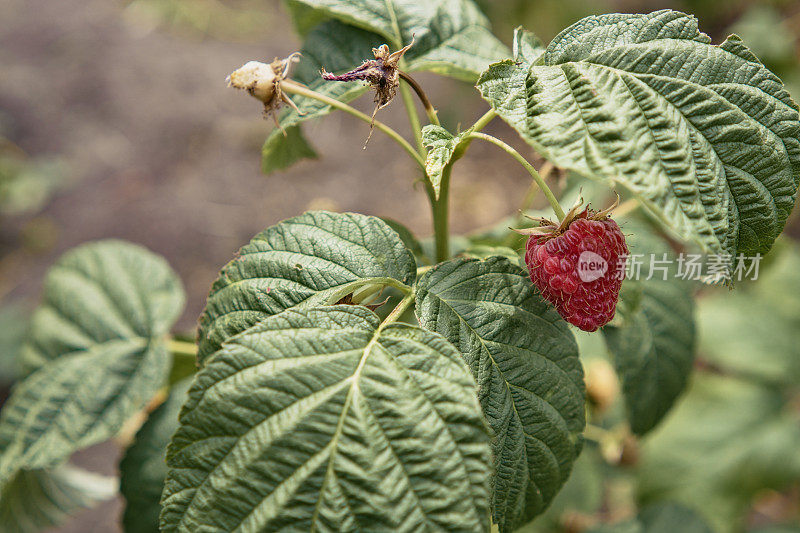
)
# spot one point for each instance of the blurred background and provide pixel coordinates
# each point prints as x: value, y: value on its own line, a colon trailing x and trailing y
x: 115, y: 121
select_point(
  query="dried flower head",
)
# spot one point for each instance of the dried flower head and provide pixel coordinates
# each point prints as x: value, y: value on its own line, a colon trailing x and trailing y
x: 263, y: 81
x: 382, y: 73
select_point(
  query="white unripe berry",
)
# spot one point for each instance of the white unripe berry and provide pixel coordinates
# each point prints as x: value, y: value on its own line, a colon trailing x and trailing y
x: 259, y: 79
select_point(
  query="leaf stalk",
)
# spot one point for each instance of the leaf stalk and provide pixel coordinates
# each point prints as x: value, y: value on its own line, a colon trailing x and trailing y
x: 426, y: 103
x: 398, y: 311
x: 551, y: 198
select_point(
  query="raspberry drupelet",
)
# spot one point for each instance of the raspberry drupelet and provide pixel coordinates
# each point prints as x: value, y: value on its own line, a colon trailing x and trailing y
x: 576, y: 265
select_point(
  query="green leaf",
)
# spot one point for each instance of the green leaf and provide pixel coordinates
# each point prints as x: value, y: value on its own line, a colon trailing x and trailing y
x: 143, y: 469
x: 452, y: 37
x: 334, y: 46
x: 313, y: 259
x: 481, y: 251
x: 653, y: 339
x: 318, y: 419
x: 34, y: 500
x: 653, y: 351
x: 771, y: 349
x: 96, y: 353
x: 583, y: 494
x: 441, y: 152
x: 304, y: 18
x: 779, y: 280
x: 528, y: 49
x: 768, y: 310
x: 282, y: 151
x: 763, y: 29
x: 13, y: 326
x: 776, y: 528
x: 530, y: 379
x: 408, y: 238
x: 27, y: 185
x: 734, y: 435
x: 725, y: 442
x: 666, y: 517
x: 704, y: 135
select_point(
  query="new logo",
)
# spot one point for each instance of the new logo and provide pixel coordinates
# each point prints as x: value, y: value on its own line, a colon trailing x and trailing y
x: 591, y: 266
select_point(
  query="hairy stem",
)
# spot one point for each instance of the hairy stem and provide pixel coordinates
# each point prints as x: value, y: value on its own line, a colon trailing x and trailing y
x: 483, y: 121
x: 293, y: 88
x: 532, y: 171
x: 440, y: 206
x: 530, y: 196
x: 429, y: 109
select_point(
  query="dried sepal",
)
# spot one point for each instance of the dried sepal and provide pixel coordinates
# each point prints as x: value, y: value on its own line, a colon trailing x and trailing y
x: 549, y: 229
x: 263, y: 82
x: 605, y: 213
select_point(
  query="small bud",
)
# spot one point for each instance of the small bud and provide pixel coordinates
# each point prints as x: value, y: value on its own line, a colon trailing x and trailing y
x: 263, y: 82
x: 258, y: 79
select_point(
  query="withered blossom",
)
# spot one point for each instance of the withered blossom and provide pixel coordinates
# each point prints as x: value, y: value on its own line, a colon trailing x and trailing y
x: 382, y: 73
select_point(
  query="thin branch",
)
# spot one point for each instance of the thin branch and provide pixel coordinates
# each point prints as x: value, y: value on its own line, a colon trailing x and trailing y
x: 426, y: 103
x: 293, y: 88
x: 532, y: 171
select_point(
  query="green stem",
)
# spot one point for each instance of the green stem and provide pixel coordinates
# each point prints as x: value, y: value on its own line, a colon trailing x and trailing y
x: 483, y: 121
x: 398, y: 35
x: 440, y: 207
x: 363, y: 293
x: 398, y: 311
x: 532, y: 171
x: 413, y: 117
x: 433, y: 118
x: 530, y: 196
x: 182, y: 347
x: 293, y: 88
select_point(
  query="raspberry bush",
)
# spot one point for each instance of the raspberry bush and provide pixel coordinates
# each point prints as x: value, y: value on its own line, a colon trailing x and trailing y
x: 347, y: 376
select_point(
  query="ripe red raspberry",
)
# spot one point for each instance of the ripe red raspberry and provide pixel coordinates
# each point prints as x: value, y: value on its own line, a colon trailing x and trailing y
x: 576, y: 264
